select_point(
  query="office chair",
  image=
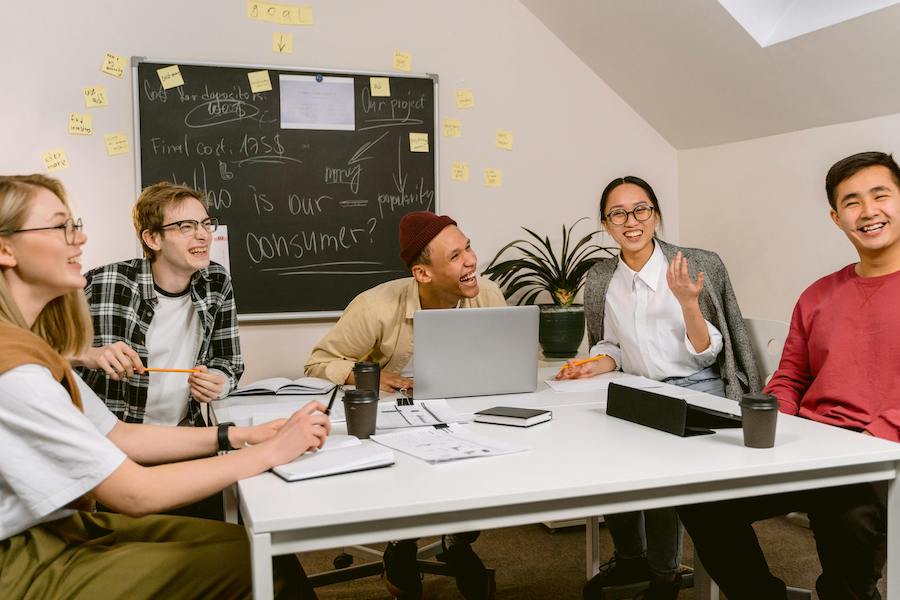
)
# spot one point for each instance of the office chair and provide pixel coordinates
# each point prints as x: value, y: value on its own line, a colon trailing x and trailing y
x: 767, y: 340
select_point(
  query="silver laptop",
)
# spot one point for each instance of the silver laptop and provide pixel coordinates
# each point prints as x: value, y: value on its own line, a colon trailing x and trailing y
x: 475, y: 351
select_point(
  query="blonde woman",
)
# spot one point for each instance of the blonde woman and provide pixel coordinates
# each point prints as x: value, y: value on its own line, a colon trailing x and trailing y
x: 63, y: 449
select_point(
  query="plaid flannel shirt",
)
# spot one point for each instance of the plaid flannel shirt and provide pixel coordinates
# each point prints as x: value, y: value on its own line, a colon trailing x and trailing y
x: 122, y: 300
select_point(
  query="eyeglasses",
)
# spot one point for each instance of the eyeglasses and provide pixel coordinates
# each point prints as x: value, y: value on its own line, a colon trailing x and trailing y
x: 619, y: 216
x: 69, y: 228
x: 190, y: 226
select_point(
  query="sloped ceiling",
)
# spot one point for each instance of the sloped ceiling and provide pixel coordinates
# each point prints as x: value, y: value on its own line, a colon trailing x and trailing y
x: 690, y: 70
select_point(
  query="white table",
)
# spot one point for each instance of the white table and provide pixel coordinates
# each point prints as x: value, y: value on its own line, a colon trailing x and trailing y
x: 581, y: 464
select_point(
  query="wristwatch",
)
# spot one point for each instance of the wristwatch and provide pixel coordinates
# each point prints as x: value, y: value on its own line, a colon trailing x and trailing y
x: 222, y: 435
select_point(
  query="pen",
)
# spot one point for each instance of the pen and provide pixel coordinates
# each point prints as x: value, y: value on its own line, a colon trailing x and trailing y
x: 155, y: 370
x: 331, y: 401
x: 578, y: 363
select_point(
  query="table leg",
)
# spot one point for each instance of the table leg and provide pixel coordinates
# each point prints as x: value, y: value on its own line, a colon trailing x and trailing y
x: 230, y: 503
x: 592, y: 541
x: 261, y: 565
x: 892, y: 583
x: 704, y: 587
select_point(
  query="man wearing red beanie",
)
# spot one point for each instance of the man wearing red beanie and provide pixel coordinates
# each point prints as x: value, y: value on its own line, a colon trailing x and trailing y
x: 378, y: 326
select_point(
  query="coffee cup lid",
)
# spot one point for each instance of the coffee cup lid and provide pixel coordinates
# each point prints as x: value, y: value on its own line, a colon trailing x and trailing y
x: 366, y: 366
x: 759, y: 400
x: 360, y: 395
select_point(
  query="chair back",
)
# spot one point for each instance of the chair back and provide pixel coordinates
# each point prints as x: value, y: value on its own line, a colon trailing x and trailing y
x: 767, y: 339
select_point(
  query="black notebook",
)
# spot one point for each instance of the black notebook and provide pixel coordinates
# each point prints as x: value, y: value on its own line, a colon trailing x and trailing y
x: 517, y: 417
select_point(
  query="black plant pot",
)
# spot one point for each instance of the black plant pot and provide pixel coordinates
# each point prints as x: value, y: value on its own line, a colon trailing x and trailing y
x: 561, y: 330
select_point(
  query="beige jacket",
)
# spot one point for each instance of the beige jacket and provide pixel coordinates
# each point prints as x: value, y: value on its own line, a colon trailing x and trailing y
x: 378, y: 326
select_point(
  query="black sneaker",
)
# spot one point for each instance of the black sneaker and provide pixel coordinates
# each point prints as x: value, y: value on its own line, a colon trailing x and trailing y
x: 661, y: 589
x: 472, y: 579
x: 401, y: 572
x: 616, y: 571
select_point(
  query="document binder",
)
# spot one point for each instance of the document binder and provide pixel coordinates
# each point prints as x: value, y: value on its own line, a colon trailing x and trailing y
x: 672, y: 415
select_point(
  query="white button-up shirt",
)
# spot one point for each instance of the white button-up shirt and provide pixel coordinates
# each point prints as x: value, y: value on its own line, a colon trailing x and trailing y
x: 643, y: 325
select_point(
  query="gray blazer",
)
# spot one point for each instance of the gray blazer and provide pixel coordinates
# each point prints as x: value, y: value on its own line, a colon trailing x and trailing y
x: 717, y: 303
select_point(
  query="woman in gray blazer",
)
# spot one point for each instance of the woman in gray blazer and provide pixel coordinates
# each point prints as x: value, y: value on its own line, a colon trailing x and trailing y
x: 670, y: 314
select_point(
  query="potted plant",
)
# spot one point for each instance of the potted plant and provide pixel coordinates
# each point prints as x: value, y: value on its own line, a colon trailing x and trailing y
x: 538, y: 268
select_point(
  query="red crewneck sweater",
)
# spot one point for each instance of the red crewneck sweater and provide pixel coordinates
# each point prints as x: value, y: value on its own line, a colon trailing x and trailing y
x: 841, y: 360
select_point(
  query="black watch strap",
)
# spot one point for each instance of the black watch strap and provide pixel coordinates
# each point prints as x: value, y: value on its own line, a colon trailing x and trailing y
x: 222, y: 435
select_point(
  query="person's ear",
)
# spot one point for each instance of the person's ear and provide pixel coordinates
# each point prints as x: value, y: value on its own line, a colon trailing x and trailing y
x: 152, y: 240
x: 7, y: 255
x: 834, y: 217
x: 421, y: 273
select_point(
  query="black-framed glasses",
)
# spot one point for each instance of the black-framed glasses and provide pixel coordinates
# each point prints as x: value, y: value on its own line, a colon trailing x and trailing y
x: 190, y: 226
x: 619, y: 216
x: 70, y: 227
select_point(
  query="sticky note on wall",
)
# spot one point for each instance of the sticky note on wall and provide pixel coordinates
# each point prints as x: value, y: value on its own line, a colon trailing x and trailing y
x: 452, y: 128
x: 282, y: 43
x: 380, y: 86
x: 493, y: 177
x: 465, y: 99
x: 459, y: 171
x: 170, y: 77
x: 504, y: 140
x: 95, y: 96
x: 113, y: 65
x: 116, y: 143
x: 81, y: 124
x: 259, y: 81
x: 56, y: 159
x: 402, y: 61
x: 418, y: 142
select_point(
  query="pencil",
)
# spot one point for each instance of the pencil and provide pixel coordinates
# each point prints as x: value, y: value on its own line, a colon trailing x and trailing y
x: 578, y: 363
x: 331, y: 401
x: 155, y: 370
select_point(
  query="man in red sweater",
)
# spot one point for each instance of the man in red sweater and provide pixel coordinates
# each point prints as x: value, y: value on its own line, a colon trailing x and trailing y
x: 839, y: 366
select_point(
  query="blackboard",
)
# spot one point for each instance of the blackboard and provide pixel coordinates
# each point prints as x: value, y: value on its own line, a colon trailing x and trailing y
x: 311, y: 214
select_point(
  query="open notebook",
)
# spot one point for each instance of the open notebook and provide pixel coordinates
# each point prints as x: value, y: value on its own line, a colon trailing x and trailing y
x: 341, y: 454
x: 282, y: 386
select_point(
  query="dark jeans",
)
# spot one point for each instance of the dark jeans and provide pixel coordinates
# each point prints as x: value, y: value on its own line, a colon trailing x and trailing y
x: 850, y: 528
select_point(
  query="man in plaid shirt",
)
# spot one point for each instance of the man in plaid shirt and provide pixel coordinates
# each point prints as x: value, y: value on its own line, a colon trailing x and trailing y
x: 171, y: 309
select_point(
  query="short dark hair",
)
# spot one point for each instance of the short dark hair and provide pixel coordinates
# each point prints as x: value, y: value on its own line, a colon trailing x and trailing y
x: 604, y: 197
x: 848, y: 167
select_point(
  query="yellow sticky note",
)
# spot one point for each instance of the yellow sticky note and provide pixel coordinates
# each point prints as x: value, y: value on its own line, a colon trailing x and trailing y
x: 113, y: 65
x: 262, y: 11
x: 259, y: 81
x: 170, y: 77
x: 306, y: 15
x: 493, y: 177
x: 116, y: 143
x: 56, y: 159
x: 81, y: 124
x: 254, y: 9
x: 418, y: 142
x: 504, y: 139
x: 402, y: 61
x: 459, y: 171
x: 452, y: 128
x: 95, y: 96
x: 465, y: 99
x: 282, y: 43
x: 380, y: 86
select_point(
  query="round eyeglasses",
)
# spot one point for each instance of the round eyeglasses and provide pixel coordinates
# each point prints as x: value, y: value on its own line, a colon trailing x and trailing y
x: 619, y: 216
x: 189, y: 227
x: 70, y: 228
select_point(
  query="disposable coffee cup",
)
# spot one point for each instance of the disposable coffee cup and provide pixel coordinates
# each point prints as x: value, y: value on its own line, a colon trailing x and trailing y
x: 367, y: 376
x: 361, y: 411
x: 759, y: 414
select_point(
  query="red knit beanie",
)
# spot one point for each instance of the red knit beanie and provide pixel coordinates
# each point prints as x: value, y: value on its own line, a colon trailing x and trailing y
x: 417, y: 229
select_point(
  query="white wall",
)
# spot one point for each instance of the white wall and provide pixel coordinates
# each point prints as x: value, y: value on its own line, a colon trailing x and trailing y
x: 761, y: 205
x: 572, y: 133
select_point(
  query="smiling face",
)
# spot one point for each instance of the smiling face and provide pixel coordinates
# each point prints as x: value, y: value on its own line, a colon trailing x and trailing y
x: 634, y: 237
x: 451, y: 274
x: 41, y: 265
x: 867, y: 210
x: 175, y: 252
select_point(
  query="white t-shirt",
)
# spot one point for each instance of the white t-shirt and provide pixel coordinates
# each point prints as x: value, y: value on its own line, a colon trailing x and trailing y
x: 643, y: 325
x: 173, y: 342
x: 50, y: 453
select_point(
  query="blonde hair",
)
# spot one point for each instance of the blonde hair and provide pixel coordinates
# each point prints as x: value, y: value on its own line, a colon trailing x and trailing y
x: 148, y: 211
x: 65, y: 322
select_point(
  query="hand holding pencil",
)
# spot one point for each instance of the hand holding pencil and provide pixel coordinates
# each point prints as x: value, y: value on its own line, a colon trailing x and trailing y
x: 588, y: 367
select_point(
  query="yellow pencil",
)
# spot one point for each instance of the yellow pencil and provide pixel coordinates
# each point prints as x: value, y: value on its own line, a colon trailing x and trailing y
x: 578, y: 363
x: 171, y: 370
